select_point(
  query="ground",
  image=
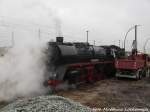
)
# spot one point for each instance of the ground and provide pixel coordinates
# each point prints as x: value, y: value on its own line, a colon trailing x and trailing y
x: 111, y: 93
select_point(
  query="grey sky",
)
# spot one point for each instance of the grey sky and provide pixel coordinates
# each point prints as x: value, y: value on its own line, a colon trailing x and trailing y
x: 107, y: 20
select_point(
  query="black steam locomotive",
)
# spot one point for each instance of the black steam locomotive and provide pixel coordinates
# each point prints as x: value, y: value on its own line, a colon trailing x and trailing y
x: 79, y: 62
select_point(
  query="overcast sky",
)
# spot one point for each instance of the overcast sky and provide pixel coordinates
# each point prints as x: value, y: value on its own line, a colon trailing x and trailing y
x: 106, y: 20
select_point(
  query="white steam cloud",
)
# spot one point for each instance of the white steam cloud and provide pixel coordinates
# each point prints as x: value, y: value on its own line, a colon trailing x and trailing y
x: 22, y: 68
x: 22, y: 71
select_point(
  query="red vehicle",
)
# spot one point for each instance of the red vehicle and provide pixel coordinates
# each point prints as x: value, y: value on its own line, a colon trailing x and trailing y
x: 134, y: 66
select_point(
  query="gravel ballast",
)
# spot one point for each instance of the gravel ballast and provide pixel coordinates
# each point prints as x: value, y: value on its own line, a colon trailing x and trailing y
x: 45, y: 104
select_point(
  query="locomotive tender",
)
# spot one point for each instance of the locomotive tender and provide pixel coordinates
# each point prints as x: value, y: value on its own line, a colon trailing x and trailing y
x: 79, y: 62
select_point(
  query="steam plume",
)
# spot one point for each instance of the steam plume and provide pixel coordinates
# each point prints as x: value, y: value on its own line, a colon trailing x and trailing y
x: 22, y: 71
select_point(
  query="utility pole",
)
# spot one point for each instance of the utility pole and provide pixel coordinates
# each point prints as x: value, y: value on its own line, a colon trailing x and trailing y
x: 87, y: 36
x: 136, y: 38
x: 94, y: 42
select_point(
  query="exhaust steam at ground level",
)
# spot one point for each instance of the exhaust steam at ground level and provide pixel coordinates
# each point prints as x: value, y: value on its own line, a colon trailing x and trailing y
x: 22, y: 70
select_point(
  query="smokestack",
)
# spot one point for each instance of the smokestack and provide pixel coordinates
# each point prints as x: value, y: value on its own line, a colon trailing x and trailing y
x: 59, y: 39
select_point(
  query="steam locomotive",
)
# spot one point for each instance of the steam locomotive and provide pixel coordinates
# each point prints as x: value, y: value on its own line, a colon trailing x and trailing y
x: 79, y: 62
